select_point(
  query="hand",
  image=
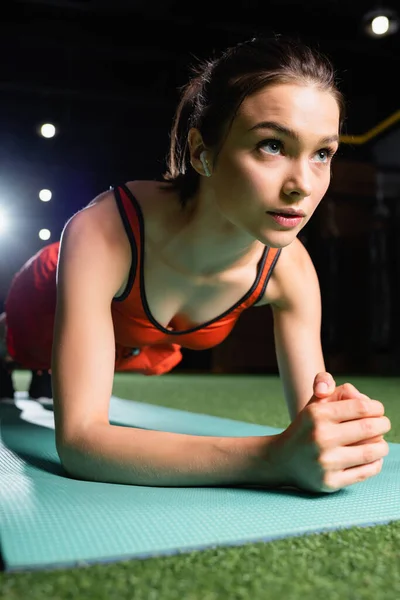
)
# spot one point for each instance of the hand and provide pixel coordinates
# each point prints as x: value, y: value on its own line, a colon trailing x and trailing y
x: 320, y: 450
x: 326, y: 394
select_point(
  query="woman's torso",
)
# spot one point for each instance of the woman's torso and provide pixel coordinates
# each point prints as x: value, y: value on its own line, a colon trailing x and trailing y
x: 169, y: 292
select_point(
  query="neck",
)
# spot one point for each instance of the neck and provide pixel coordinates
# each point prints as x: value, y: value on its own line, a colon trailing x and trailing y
x: 204, y: 243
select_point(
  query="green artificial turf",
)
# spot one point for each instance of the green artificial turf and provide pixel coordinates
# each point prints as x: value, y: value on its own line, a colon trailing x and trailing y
x: 357, y: 563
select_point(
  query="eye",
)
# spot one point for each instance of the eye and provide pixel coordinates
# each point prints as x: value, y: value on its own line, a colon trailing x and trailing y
x: 273, y: 146
x: 325, y: 154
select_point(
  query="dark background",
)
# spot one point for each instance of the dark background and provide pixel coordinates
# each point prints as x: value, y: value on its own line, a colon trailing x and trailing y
x: 107, y: 75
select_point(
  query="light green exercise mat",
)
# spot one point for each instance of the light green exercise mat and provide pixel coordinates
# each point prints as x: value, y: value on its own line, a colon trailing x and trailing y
x: 49, y: 520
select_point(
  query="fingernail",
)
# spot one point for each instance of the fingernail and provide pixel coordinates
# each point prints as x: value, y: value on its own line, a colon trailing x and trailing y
x: 321, y: 387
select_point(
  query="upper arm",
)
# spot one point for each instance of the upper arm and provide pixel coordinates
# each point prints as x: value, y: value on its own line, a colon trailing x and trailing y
x: 91, y: 269
x: 296, y: 311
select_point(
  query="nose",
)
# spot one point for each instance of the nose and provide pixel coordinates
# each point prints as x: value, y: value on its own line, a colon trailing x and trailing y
x: 298, y: 180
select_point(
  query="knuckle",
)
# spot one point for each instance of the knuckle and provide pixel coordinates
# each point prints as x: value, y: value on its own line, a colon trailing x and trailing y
x: 364, y: 407
x: 329, y: 483
x: 368, y: 454
x: 313, y: 415
x: 311, y: 411
x: 349, y: 389
x: 325, y: 461
x: 318, y: 436
x: 367, y: 427
x: 361, y: 476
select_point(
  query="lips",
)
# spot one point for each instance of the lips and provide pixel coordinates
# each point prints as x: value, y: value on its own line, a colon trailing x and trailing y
x: 287, y: 222
x: 295, y: 215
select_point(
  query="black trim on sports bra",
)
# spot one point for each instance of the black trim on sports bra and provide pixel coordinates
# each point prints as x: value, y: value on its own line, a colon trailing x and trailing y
x: 150, y: 317
x: 132, y: 241
x: 264, y: 287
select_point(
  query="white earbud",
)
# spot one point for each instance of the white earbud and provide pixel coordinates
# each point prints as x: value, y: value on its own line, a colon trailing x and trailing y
x: 205, y: 163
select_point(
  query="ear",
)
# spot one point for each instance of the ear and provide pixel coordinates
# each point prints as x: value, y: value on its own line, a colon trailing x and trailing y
x: 198, y: 153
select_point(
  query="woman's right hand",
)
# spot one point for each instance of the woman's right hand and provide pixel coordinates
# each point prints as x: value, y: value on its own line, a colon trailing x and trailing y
x: 335, y: 441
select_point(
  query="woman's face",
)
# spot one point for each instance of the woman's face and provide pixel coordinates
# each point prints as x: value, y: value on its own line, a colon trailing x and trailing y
x: 277, y: 155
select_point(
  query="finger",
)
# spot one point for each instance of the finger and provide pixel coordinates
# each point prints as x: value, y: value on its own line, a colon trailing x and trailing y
x: 324, y: 385
x: 347, y: 391
x: 352, y: 475
x: 343, y: 458
x: 372, y: 440
x: 351, y: 432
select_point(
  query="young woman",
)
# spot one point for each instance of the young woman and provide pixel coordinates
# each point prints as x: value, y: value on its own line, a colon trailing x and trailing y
x: 149, y: 267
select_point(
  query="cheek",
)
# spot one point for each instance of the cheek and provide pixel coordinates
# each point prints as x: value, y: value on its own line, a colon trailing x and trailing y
x: 231, y: 178
x: 323, y: 185
x: 243, y: 173
x: 319, y: 192
x: 231, y: 167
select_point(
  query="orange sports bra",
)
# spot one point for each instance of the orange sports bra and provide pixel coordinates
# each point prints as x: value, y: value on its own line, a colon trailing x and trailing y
x: 134, y: 325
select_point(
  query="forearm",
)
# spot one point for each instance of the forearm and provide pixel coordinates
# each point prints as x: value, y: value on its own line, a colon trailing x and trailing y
x: 117, y: 454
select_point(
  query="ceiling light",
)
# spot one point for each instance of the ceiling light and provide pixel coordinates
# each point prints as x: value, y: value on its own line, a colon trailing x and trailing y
x: 380, y: 22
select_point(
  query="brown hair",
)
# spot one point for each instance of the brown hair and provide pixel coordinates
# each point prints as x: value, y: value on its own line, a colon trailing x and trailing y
x: 217, y: 88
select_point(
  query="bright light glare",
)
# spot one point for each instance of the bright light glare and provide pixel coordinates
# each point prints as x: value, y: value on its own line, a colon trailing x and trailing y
x: 380, y: 25
x: 44, y: 234
x: 3, y: 221
x: 381, y: 22
x: 48, y: 130
x: 45, y: 195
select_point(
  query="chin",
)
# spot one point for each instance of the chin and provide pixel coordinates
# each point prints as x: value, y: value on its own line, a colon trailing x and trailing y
x: 279, y: 239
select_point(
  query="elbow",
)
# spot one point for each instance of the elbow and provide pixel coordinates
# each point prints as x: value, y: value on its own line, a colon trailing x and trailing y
x: 82, y: 454
x: 71, y: 460
x: 74, y: 458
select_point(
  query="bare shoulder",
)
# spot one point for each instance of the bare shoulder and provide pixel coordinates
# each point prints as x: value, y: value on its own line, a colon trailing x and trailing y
x: 103, y: 213
x: 293, y: 275
x: 101, y: 225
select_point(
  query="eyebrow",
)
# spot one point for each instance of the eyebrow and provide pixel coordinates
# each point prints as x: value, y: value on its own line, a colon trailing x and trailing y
x: 289, y: 132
